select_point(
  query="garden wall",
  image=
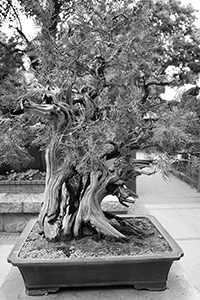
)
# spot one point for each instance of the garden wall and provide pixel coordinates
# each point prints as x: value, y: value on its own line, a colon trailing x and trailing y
x: 20, y: 201
x: 17, y: 209
x: 22, y: 186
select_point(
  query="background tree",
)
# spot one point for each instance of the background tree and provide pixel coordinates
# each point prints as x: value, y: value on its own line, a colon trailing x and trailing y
x: 10, y: 57
x: 100, y: 69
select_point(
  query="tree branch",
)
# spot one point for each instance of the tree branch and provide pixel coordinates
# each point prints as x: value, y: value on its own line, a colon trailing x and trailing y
x: 54, y: 18
x: 15, y: 13
x: 22, y: 35
x: 150, y: 83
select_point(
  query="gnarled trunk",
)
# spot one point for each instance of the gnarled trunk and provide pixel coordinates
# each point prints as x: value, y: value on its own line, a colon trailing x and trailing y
x: 73, y: 196
x: 55, y: 177
x: 67, y: 207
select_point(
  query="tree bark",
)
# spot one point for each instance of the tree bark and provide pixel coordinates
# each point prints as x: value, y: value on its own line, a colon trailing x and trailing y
x: 61, y: 217
x: 72, y: 199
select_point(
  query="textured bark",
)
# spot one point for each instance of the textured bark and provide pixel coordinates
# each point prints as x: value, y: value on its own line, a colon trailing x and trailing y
x: 71, y: 199
x: 55, y: 177
x: 90, y: 210
x: 61, y: 217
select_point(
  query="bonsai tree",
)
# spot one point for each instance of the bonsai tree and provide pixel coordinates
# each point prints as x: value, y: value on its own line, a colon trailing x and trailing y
x: 101, y: 68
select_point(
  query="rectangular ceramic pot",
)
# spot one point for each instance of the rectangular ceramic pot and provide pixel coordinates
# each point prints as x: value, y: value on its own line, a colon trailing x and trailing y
x: 141, y: 271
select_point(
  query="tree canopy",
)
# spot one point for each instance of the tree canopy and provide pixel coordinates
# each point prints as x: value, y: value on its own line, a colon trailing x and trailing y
x: 118, y: 55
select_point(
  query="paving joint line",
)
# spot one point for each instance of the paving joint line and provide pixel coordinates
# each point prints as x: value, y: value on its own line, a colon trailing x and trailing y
x: 188, y: 239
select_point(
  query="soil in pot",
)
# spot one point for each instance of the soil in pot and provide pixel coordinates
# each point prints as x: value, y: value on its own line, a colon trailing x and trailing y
x: 143, y: 238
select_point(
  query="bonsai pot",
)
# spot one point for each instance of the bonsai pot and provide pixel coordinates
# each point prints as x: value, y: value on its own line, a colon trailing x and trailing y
x: 42, y: 276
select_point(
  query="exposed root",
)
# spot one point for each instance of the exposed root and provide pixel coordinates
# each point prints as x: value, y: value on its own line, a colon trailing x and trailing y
x: 127, y: 226
x: 51, y: 231
x: 67, y: 224
x: 90, y: 211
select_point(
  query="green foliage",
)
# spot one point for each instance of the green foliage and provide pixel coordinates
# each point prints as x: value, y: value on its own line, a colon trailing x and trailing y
x: 10, y: 57
x: 189, y: 167
x: 172, y: 131
x: 12, y: 87
x: 181, y: 38
x: 13, y: 145
x: 18, y: 133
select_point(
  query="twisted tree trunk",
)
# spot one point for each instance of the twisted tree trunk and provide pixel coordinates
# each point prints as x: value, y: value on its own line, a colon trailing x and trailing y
x: 72, y: 199
x: 56, y: 174
x: 66, y: 208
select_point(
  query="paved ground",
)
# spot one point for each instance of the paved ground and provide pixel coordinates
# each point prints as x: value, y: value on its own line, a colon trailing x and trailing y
x: 7, y: 242
x: 177, y: 206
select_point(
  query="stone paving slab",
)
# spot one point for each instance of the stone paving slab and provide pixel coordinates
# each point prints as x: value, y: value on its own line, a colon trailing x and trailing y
x: 191, y: 260
x: 9, y: 203
x: 20, y: 203
x: 179, y: 287
x: 16, y: 222
x: 4, y: 266
x: 32, y: 204
x: 181, y: 206
x: 154, y: 190
x: 8, y: 238
x: 182, y: 222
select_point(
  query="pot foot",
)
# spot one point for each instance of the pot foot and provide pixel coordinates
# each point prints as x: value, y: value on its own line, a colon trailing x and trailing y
x: 41, y: 292
x: 154, y: 286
